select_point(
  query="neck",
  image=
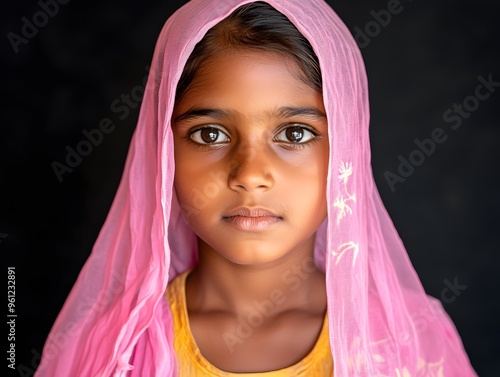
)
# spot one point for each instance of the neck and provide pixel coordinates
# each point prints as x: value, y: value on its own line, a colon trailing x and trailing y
x: 293, y: 282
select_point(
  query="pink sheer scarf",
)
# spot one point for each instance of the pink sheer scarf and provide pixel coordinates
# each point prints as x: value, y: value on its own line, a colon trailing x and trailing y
x: 115, y: 321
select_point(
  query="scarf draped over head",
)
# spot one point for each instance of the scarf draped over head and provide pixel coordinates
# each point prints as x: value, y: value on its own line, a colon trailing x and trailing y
x: 381, y: 322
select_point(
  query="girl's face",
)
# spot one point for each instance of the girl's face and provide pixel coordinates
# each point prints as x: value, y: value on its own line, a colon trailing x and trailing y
x: 251, y: 157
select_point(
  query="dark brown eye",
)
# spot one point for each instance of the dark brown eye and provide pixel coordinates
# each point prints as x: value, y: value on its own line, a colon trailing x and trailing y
x: 295, y: 134
x: 209, y: 135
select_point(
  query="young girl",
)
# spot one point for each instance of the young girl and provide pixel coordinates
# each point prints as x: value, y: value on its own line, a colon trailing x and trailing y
x: 247, y: 237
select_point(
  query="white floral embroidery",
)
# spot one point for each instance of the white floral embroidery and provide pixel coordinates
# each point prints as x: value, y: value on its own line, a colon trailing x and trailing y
x: 345, y: 171
x: 427, y: 369
x: 344, y: 209
x: 424, y: 367
x: 345, y: 247
x: 341, y: 201
x: 357, y: 356
x: 378, y: 358
x: 402, y: 372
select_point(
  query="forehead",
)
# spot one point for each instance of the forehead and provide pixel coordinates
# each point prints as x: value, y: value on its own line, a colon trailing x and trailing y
x: 249, y: 80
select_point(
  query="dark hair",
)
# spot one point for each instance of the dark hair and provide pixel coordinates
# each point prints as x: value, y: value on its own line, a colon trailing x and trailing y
x: 254, y: 26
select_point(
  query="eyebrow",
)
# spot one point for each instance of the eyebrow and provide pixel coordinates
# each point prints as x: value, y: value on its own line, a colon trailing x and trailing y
x: 290, y: 112
x: 194, y: 113
x: 281, y: 112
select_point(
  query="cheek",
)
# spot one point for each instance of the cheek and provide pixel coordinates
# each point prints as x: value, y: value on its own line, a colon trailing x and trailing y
x: 185, y: 176
x: 312, y: 169
x: 197, y: 183
x: 309, y: 195
x: 186, y: 184
x: 310, y: 181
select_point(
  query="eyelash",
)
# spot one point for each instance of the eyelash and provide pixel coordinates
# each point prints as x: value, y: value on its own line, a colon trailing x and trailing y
x: 316, y: 136
x: 286, y: 145
x: 204, y: 146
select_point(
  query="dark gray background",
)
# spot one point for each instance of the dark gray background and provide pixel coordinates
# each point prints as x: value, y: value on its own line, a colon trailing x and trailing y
x: 426, y: 59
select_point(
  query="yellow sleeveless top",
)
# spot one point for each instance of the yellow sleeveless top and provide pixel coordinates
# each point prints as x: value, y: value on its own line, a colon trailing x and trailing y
x: 191, y: 363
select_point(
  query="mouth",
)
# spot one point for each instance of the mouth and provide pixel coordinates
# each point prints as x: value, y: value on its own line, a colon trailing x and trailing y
x: 251, y: 219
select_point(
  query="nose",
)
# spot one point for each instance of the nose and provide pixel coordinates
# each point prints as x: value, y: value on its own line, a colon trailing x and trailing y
x: 250, y: 170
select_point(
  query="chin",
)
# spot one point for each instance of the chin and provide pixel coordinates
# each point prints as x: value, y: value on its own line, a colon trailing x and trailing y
x: 253, y: 258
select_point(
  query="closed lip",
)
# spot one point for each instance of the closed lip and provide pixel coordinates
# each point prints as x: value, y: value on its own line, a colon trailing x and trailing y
x: 250, y: 212
x: 248, y: 219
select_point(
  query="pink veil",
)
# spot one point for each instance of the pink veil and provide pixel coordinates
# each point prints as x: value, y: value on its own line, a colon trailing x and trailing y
x: 115, y: 321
